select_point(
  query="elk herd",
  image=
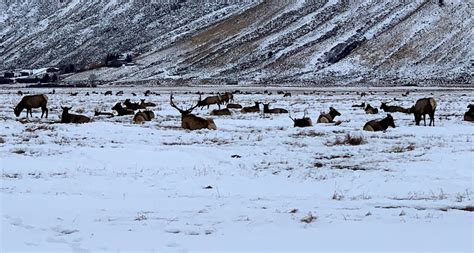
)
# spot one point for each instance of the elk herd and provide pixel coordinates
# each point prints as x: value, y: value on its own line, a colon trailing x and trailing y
x: 189, y: 121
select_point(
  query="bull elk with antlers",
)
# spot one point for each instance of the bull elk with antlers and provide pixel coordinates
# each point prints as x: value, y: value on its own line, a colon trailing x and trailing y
x: 191, y: 121
x: 303, y: 122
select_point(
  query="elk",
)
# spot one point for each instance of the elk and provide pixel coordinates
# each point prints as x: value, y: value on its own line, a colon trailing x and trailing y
x: 190, y: 121
x: 130, y: 105
x: 255, y: 108
x: 266, y: 109
x: 469, y: 115
x: 303, y: 122
x: 388, y: 108
x: 19, y: 93
x: 328, y: 117
x: 32, y: 101
x: 99, y: 113
x: 227, y: 97
x: 422, y: 107
x: 119, y: 93
x: 144, y: 104
x: 122, y: 111
x: 379, y: 125
x: 221, y: 112
x: 287, y: 94
x: 147, y: 93
x: 210, y: 101
x: 73, y: 94
x: 107, y: 93
x: 370, y: 110
x: 140, y: 117
x: 234, y: 106
x: 67, y: 117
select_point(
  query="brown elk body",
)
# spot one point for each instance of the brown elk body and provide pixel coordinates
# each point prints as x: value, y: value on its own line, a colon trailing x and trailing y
x: 255, y: 108
x: 144, y: 104
x: 221, y: 112
x: 266, y: 109
x: 234, y: 106
x: 227, y: 97
x: 130, y: 105
x: 140, y: 117
x: 210, y: 101
x: 107, y: 93
x: 303, y: 122
x: 422, y: 107
x: 119, y: 93
x: 379, y: 125
x: 469, y: 115
x: 190, y: 121
x: 287, y: 95
x: 371, y: 110
x: 32, y: 101
x: 122, y: 111
x: 67, y: 117
x: 391, y: 108
x: 328, y: 117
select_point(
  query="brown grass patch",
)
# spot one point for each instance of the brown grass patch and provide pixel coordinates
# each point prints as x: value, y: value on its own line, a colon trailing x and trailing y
x: 348, y: 140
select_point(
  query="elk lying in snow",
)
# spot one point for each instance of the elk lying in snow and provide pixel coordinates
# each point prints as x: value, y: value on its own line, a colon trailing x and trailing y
x: 67, y: 117
x: 255, y: 108
x: 266, y: 109
x: 130, y: 105
x: 469, y: 115
x: 120, y: 93
x: 328, y: 117
x: 147, y: 93
x: 140, y: 117
x: 287, y: 95
x: 73, y: 94
x: 191, y: 121
x: 234, y: 106
x: 362, y: 105
x: 221, y: 112
x: 122, y: 111
x: 107, y: 93
x: 379, y: 125
x: 389, y: 108
x: 303, y: 122
x: 144, y: 104
x: 98, y: 113
x: 370, y: 110
x: 227, y: 97
x: 33, y: 101
x: 19, y: 93
x: 422, y: 107
x: 210, y: 101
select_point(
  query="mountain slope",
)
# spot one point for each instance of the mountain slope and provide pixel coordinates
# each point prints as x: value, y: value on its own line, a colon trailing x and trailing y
x: 318, y: 42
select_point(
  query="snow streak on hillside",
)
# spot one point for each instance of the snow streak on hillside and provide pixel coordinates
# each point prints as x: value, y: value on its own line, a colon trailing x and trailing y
x: 318, y: 42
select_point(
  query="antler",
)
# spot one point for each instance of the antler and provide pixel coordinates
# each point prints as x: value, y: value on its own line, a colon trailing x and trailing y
x: 173, y: 105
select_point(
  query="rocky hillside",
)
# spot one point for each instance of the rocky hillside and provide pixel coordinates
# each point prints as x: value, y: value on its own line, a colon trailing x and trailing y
x: 297, y: 42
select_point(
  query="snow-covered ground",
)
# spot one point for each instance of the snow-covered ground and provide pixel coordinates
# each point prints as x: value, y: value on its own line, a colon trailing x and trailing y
x: 114, y: 186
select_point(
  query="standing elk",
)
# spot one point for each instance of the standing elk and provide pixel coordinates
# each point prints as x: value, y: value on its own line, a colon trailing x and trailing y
x: 328, y: 117
x: 303, y: 122
x: 122, y: 111
x: 255, y: 108
x: 390, y: 108
x: 221, y: 112
x: 190, y: 121
x: 469, y: 115
x: 266, y: 109
x: 422, y: 107
x: 32, y: 101
x: 140, y: 117
x: 227, y: 97
x: 379, y: 125
x: 210, y: 101
x: 67, y: 117
x: 371, y: 110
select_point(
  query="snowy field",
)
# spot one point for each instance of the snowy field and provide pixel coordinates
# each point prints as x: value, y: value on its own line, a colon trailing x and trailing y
x: 114, y: 186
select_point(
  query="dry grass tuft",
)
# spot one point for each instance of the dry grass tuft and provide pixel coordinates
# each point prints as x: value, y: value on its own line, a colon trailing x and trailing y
x: 401, y: 149
x: 348, y: 140
x: 310, y: 133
